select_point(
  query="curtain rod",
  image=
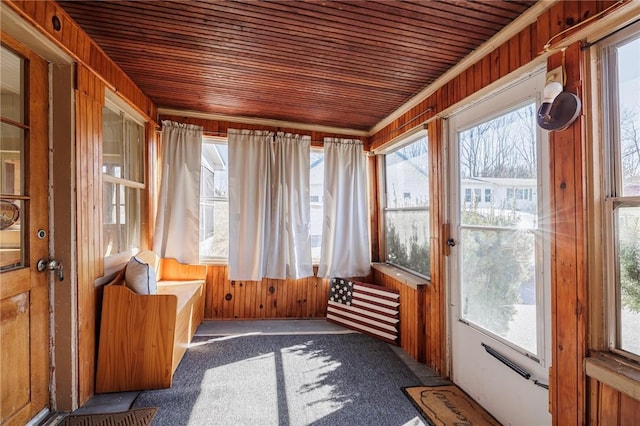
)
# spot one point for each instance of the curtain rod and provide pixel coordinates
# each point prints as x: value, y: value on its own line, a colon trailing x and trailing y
x: 225, y: 134
x: 588, y: 45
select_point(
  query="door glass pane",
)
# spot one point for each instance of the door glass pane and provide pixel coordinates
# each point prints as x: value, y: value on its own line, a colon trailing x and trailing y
x: 11, y: 86
x: 498, y: 216
x: 499, y: 291
x: 11, y: 160
x: 628, y: 263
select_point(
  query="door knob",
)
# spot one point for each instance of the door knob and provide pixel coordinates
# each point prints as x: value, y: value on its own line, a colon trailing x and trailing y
x: 51, y: 265
x: 451, y: 242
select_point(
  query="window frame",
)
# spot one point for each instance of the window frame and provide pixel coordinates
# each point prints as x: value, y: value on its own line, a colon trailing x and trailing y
x: 214, y: 260
x: 412, y: 137
x: 318, y: 149
x: 611, y: 187
x: 126, y: 113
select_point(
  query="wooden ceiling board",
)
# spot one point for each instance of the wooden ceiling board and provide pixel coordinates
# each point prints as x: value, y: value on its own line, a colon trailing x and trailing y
x: 346, y: 64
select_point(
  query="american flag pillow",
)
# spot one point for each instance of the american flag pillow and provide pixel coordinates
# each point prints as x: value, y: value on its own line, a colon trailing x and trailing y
x: 369, y: 308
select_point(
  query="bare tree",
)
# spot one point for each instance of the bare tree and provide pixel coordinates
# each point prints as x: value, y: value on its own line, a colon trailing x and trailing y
x: 503, y: 147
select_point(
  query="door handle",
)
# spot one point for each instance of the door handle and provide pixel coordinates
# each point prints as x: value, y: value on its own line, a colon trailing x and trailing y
x: 51, y: 265
x: 451, y: 242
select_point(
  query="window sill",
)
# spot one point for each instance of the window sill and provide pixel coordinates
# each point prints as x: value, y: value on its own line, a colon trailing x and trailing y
x: 398, y: 274
x: 614, y: 371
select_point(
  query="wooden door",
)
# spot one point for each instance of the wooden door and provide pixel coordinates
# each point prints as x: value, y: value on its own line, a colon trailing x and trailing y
x: 24, y: 234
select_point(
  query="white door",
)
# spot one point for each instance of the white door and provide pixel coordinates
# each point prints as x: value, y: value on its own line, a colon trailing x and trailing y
x: 499, y: 284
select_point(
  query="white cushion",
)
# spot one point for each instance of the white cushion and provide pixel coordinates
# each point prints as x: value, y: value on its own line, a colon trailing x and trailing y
x: 140, y: 277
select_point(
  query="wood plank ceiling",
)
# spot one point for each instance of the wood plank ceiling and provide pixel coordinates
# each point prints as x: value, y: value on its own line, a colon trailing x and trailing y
x: 346, y: 64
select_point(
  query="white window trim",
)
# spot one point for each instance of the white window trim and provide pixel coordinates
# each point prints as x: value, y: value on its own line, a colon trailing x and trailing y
x: 610, y: 148
x: 406, y: 139
x: 116, y: 104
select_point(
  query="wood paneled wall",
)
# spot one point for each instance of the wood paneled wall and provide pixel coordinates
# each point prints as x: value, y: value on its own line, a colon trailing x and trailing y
x: 518, y: 51
x: 95, y: 72
x: 569, y: 332
x: 219, y: 128
x: 413, y: 313
x: 435, y: 305
x: 568, y: 265
x: 610, y: 407
x: 89, y: 103
x: 226, y: 299
x: 83, y: 49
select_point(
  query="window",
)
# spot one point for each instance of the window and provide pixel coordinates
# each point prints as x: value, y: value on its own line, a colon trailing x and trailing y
x: 487, y: 195
x: 123, y: 180
x: 621, y: 59
x: 316, y: 192
x: 406, y: 219
x: 214, y: 201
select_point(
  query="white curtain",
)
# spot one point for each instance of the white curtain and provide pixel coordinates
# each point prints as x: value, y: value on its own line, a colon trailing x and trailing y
x: 269, y: 231
x: 178, y: 219
x: 288, y: 241
x: 345, y: 234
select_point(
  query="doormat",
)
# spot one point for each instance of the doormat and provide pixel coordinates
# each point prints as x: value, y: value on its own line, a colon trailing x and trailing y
x: 448, y: 405
x: 137, y: 417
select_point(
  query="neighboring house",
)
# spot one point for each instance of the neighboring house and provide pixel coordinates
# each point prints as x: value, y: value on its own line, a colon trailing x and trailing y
x: 500, y: 193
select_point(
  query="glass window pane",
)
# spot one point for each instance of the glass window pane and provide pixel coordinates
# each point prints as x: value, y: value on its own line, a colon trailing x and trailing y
x: 407, y: 176
x: 11, y: 160
x: 11, y: 234
x: 498, y: 283
x: 134, y: 143
x: 628, y: 265
x: 628, y: 78
x: 122, y: 208
x: 11, y: 86
x: 407, y: 240
x: 214, y: 202
x: 407, y: 207
x: 316, y: 194
x: 133, y: 219
x: 112, y: 143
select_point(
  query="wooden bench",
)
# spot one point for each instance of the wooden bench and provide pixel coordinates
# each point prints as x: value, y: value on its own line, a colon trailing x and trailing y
x: 144, y: 337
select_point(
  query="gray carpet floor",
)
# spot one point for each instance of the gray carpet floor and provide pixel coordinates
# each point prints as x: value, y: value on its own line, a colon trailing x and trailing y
x: 287, y: 380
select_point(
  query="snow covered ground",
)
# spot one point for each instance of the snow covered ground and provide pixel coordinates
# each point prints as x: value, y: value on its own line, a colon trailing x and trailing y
x: 522, y: 329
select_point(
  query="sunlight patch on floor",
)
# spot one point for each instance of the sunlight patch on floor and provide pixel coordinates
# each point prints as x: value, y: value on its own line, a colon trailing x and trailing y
x: 259, y: 395
x: 315, y: 389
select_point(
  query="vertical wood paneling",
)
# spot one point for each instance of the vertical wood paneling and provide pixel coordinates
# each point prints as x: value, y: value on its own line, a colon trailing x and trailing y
x: 629, y: 411
x: 79, y: 45
x: 89, y: 102
x: 303, y: 298
x: 611, y: 407
x: 433, y: 316
x: 567, y: 202
x: 410, y: 338
x: 567, y: 259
